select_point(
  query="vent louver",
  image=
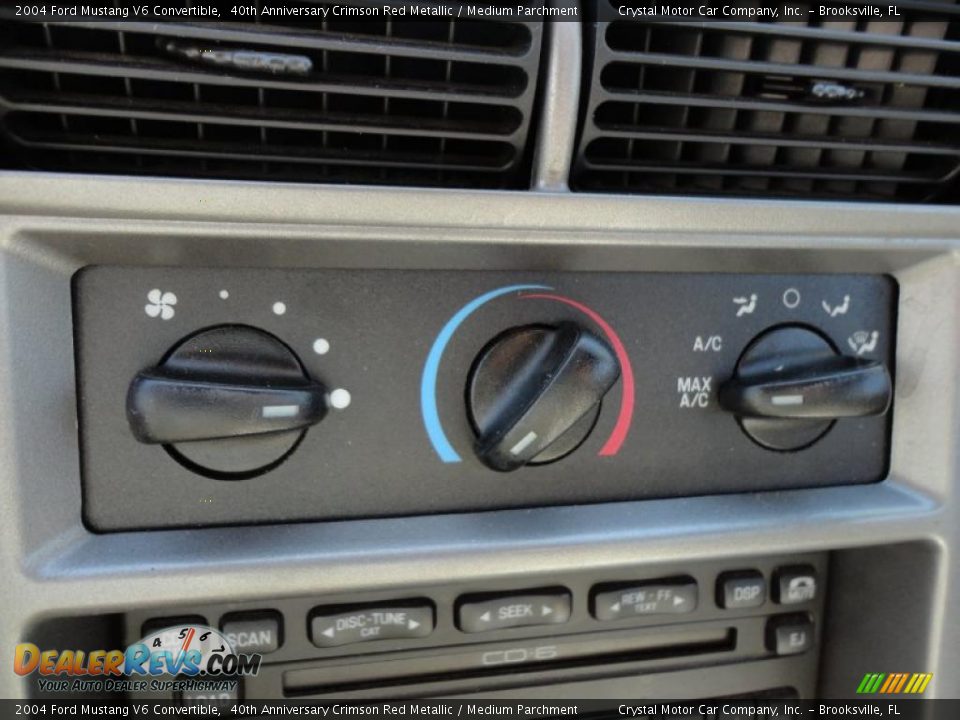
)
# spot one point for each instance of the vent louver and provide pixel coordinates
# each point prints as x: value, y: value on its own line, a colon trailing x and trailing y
x: 424, y: 103
x: 858, y: 110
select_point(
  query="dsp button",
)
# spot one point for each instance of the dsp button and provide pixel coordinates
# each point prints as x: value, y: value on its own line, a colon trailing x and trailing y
x: 741, y: 589
x: 332, y: 626
x: 483, y: 613
x: 652, y: 598
x: 256, y: 632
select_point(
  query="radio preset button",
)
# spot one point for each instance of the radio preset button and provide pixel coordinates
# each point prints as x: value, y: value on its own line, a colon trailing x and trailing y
x: 651, y: 598
x: 336, y: 625
x: 508, y: 611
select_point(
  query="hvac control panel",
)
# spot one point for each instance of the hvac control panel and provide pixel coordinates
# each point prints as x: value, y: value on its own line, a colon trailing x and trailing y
x: 232, y: 396
x: 442, y: 640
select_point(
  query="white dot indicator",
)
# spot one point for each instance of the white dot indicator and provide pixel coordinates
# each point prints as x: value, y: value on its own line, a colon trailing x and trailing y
x: 224, y: 294
x: 321, y: 346
x: 340, y: 399
x: 279, y: 308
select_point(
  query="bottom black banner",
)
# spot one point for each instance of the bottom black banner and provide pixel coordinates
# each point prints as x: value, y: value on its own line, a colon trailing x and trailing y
x: 594, y: 709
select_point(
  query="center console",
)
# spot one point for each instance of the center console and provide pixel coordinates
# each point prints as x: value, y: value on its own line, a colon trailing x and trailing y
x: 580, y: 453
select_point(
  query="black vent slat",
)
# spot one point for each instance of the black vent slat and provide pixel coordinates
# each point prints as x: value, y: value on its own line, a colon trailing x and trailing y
x: 817, y: 34
x: 235, y: 34
x: 87, y: 64
x: 782, y: 140
x: 202, y: 150
x: 242, y: 117
x: 739, y: 103
x: 818, y: 72
x: 444, y: 103
x: 852, y: 109
x: 766, y: 172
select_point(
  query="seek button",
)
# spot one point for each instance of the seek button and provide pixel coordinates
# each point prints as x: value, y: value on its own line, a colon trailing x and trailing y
x: 475, y: 616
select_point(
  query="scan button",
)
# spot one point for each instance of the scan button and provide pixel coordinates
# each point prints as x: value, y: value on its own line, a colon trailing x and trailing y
x: 257, y: 632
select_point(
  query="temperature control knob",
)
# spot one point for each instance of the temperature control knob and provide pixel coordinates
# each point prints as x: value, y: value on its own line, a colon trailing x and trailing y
x: 534, y: 393
x: 791, y: 385
x: 229, y: 402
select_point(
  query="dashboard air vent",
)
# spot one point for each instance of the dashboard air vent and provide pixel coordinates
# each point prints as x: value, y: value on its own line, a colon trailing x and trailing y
x: 858, y: 110
x: 421, y: 103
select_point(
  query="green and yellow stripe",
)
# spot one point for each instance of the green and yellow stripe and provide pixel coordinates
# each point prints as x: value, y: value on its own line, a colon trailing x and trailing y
x: 894, y: 683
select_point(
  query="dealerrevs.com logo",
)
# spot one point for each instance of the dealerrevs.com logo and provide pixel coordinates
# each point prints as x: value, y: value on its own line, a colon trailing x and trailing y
x: 178, y: 658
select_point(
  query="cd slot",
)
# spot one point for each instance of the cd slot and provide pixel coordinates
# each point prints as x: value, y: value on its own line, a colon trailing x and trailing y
x: 523, y: 656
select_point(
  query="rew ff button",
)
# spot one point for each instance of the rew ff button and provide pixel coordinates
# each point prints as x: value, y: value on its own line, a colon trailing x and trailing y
x: 485, y: 613
x: 332, y: 626
x: 663, y: 597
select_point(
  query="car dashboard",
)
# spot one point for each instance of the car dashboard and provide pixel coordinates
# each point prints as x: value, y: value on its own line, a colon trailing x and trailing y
x: 588, y: 356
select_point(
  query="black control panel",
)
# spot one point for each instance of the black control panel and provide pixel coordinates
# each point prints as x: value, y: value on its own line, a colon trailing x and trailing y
x: 441, y: 640
x: 231, y: 396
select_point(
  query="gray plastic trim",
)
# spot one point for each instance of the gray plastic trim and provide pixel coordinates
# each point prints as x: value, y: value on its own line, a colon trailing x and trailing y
x: 559, y: 105
x: 51, y: 225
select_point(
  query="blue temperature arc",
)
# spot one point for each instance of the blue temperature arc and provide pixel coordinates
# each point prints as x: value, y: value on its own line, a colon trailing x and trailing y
x: 428, y: 383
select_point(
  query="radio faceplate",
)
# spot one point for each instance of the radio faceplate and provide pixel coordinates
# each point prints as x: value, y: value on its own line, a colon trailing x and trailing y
x: 395, y: 352
x: 439, y: 658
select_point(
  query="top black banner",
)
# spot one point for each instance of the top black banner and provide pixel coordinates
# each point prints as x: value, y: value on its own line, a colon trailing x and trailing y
x: 483, y: 709
x: 315, y: 12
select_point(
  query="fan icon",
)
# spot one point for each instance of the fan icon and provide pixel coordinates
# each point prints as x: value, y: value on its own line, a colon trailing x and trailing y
x: 160, y: 304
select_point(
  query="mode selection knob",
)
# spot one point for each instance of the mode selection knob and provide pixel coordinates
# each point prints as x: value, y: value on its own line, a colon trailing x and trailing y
x: 534, y: 393
x: 229, y: 402
x: 790, y: 386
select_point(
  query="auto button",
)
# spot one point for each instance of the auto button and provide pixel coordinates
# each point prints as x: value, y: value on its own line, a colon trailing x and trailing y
x: 477, y: 615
